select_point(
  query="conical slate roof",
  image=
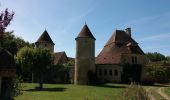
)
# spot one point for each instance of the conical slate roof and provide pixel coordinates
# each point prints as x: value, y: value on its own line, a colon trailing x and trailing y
x: 118, y: 44
x: 45, y: 38
x: 85, y: 33
x: 6, y: 59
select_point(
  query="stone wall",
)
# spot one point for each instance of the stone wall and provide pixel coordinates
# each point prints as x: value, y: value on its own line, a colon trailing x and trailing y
x: 49, y: 46
x: 109, y: 72
x: 85, y: 59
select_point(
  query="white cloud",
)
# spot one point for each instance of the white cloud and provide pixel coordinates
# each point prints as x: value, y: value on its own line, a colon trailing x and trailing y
x: 157, y: 37
x: 156, y: 47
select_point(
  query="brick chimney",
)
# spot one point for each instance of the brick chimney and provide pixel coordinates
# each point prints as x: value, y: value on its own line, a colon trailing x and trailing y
x: 128, y: 31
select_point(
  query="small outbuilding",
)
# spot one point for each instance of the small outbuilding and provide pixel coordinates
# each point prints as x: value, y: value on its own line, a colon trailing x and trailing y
x: 7, y: 73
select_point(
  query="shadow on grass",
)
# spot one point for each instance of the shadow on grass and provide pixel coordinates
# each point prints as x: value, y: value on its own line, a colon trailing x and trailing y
x: 109, y: 86
x: 47, y: 89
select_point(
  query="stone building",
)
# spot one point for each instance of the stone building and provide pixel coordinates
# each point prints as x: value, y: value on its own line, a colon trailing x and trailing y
x: 7, y: 73
x: 46, y: 41
x: 121, y: 49
x: 85, y: 56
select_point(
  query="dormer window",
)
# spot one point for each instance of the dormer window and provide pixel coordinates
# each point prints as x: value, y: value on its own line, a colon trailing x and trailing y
x: 134, y: 60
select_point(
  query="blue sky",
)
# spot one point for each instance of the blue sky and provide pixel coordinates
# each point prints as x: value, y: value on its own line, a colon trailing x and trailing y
x: 64, y: 19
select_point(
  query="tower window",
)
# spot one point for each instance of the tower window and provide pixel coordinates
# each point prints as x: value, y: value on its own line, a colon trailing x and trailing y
x: 110, y: 72
x: 115, y: 72
x: 105, y: 72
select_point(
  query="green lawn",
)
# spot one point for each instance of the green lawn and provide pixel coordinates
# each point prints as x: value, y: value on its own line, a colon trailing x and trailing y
x: 72, y: 92
x: 167, y: 91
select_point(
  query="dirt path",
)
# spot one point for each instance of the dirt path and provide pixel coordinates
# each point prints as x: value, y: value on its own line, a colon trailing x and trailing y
x: 159, y: 90
x: 148, y: 90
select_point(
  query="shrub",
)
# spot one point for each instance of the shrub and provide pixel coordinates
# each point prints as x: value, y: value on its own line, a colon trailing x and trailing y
x: 135, y: 92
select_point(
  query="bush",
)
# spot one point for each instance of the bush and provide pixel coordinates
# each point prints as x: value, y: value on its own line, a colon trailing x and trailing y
x: 159, y: 72
x: 135, y: 92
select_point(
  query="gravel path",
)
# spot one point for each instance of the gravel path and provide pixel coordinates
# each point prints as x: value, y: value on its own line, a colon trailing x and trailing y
x: 148, y: 90
x: 159, y: 90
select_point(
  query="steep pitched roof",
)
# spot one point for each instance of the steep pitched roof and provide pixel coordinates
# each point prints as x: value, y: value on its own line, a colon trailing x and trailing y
x: 60, y: 57
x: 45, y: 38
x: 85, y: 33
x: 120, y: 36
x: 118, y: 44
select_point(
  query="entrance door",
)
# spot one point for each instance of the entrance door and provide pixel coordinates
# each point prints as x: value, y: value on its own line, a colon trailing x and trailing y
x: 6, y: 87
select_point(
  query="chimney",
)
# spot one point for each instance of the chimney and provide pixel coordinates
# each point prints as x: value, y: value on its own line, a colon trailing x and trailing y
x: 128, y: 31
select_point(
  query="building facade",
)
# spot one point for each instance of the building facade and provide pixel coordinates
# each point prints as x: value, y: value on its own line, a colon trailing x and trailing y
x: 120, y: 50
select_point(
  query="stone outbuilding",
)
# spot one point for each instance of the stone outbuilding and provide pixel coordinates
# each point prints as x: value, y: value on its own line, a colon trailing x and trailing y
x: 7, y: 73
x: 120, y: 49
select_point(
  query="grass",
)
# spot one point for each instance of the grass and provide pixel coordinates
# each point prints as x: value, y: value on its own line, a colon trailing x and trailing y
x: 167, y: 91
x: 71, y: 92
x: 156, y: 94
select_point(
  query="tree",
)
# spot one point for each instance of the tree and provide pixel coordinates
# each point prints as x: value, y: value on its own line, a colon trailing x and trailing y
x: 5, y: 19
x: 158, y: 71
x: 13, y: 43
x: 155, y: 56
x: 43, y: 59
x: 35, y: 60
x: 25, y: 59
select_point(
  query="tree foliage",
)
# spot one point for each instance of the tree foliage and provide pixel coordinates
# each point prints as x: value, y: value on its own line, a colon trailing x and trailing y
x: 158, y: 72
x: 5, y: 19
x: 13, y: 43
x: 35, y: 60
x: 155, y: 56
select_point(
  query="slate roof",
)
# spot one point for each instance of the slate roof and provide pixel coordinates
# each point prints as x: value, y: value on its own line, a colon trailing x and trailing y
x: 60, y: 57
x: 119, y: 43
x: 6, y: 59
x: 85, y: 33
x: 45, y: 38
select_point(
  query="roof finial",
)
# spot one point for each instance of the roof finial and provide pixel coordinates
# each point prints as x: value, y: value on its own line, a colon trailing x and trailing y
x: 85, y: 23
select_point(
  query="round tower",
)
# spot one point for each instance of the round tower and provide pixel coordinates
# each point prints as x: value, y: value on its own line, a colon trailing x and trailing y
x: 45, y: 41
x: 85, y: 56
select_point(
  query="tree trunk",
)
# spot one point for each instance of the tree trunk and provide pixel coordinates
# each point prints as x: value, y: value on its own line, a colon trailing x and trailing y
x: 41, y: 82
x: 32, y: 77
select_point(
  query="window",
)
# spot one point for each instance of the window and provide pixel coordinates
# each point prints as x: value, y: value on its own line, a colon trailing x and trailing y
x: 115, y: 72
x: 110, y: 72
x: 105, y: 72
x: 45, y: 45
x: 100, y: 72
x: 134, y: 60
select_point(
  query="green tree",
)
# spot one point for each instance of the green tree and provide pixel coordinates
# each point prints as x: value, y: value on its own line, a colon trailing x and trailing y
x: 43, y: 59
x: 155, y: 56
x: 159, y: 72
x: 36, y: 60
x: 13, y: 43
